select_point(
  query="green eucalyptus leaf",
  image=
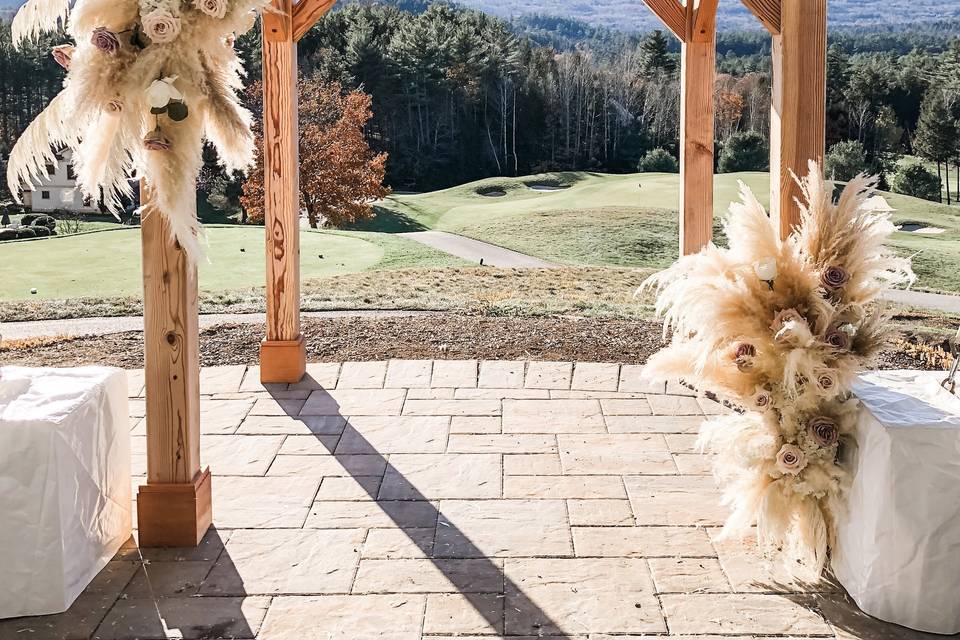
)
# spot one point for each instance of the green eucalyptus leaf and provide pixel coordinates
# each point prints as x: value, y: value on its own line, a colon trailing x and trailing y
x: 177, y: 111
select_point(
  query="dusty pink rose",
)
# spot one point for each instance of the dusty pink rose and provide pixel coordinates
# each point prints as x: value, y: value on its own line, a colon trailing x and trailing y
x: 213, y: 8
x: 837, y: 338
x: 161, y: 26
x: 827, y: 380
x: 762, y: 400
x: 105, y: 40
x: 824, y: 431
x: 743, y: 354
x: 63, y: 55
x: 790, y: 460
x: 834, y: 277
x: 156, y: 141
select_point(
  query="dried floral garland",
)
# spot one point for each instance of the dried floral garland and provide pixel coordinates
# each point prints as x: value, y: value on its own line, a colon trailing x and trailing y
x: 147, y: 82
x: 781, y: 328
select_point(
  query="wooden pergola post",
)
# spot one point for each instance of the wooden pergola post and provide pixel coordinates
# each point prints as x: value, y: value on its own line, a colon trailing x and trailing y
x: 174, y: 507
x: 694, y: 24
x: 283, y: 351
x: 798, y: 104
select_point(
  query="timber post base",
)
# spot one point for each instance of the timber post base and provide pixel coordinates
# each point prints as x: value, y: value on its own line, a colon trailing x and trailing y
x: 283, y: 360
x: 174, y: 515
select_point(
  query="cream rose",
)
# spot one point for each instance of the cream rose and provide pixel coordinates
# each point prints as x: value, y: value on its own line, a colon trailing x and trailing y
x: 790, y: 460
x: 161, y: 26
x: 766, y: 269
x: 213, y: 8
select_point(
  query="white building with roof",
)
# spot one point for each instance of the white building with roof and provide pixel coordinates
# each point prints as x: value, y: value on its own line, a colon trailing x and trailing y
x: 59, y: 190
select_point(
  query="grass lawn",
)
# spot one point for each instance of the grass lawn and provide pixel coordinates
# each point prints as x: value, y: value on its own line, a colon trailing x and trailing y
x: 629, y: 220
x: 109, y: 264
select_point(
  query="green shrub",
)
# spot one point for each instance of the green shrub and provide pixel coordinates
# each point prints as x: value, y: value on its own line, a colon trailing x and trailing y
x: 28, y: 219
x: 41, y: 231
x: 916, y: 180
x: 26, y: 232
x: 8, y: 234
x: 845, y: 161
x: 44, y: 221
x: 658, y: 161
x: 744, y: 151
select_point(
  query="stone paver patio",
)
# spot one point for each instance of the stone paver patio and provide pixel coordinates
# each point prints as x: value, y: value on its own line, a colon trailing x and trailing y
x: 409, y: 500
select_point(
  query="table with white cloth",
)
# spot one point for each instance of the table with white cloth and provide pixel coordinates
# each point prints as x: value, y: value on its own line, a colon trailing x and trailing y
x: 65, y: 494
x: 898, y: 547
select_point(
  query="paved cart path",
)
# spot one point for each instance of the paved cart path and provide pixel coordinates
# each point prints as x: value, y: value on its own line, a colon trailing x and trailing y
x: 477, y: 250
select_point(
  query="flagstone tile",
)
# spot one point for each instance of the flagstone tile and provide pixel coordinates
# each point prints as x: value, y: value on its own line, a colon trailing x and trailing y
x: 750, y: 571
x: 694, y: 464
x: 674, y: 405
x: 654, y: 424
x: 502, y: 443
x: 501, y: 394
x: 676, y: 500
x: 274, y: 407
x: 362, y: 375
x: 622, y: 407
x: 429, y: 576
x: 458, y: 613
x: 77, y: 623
x: 634, y: 542
x: 604, y: 595
x: 209, y: 549
x: 615, y: 454
x: 454, y: 373
x: 600, y: 513
x: 352, y: 617
x: 239, y: 455
x: 315, y: 467
x: 293, y: 425
x: 408, y: 374
x: 354, y: 402
x: 224, y: 379
x: 688, y: 575
x: 406, y: 514
x: 740, y: 613
x: 399, y: 543
x: 349, y: 488
x: 850, y: 623
x: 313, y: 445
x: 501, y: 374
x: 596, y: 376
x: 288, y: 561
x: 137, y: 408
x: 135, y: 383
x: 192, y: 618
x: 552, y: 416
x: 452, y: 408
x: 431, y: 394
x: 712, y: 407
x: 243, y: 502
x: 632, y: 379
x: 223, y: 416
x: 475, y: 424
x: 168, y: 579
x: 251, y: 382
x: 502, y: 528
x: 532, y: 464
x: 569, y: 394
x: 563, y: 487
x: 319, y: 375
x: 433, y: 476
x: 549, y: 375
x: 682, y: 442
x: 395, y: 434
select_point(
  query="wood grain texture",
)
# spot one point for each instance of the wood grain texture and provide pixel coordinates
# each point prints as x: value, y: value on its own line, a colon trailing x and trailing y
x: 768, y: 12
x: 306, y: 13
x: 174, y: 515
x: 704, y: 26
x: 798, y: 106
x: 697, y: 78
x: 281, y: 174
x: 671, y: 13
x: 171, y: 354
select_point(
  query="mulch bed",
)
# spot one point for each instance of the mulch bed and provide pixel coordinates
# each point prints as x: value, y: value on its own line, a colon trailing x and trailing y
x: 427, y: 337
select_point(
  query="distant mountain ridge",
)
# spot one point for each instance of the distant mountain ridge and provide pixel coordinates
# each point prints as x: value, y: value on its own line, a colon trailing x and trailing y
x: 633, y: 15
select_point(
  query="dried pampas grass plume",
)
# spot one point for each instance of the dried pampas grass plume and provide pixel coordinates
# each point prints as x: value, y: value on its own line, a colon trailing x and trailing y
x: 36, y: 17
x: 780, y: 329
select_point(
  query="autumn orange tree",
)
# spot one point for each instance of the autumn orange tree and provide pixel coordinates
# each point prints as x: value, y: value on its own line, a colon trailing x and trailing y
x: 340, y: 176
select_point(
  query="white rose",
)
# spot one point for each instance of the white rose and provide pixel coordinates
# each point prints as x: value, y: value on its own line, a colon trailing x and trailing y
x: 162, y: 92
x: 213, y: 8
x: 766, y: 269
x: 161, y: 26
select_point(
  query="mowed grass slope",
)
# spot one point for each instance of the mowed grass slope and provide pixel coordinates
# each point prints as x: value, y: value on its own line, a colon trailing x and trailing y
x: 630, y: 220
x: 109, y: 263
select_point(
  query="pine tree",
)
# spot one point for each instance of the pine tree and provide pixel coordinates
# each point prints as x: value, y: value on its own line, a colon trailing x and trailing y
x: 936, y: 137
x: 654, y: 55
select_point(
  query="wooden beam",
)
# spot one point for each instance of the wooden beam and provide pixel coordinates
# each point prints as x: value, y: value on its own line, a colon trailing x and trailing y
x: 697, y: 79
x: 283, y: 353
x: 768, y: 12
x: 174, y: 506
x: 306, y: 13
x: 671, y: 13
x: 798, y: 106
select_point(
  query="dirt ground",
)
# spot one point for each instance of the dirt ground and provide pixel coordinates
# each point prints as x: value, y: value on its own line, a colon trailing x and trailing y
x: 448, y: 336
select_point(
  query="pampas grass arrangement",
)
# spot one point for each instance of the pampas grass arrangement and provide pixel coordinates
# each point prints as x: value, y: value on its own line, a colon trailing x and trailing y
x: 781, y: 328
x: 147, y: 82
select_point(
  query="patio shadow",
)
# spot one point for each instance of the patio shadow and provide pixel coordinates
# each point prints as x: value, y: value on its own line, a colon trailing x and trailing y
x: 525, y: 612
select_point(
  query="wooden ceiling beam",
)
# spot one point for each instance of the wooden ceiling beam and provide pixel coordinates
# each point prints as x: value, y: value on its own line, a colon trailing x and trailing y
x: 704, y: 21
x: 306, y: 13
x: 768, y: 12
x: 672, y: 14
